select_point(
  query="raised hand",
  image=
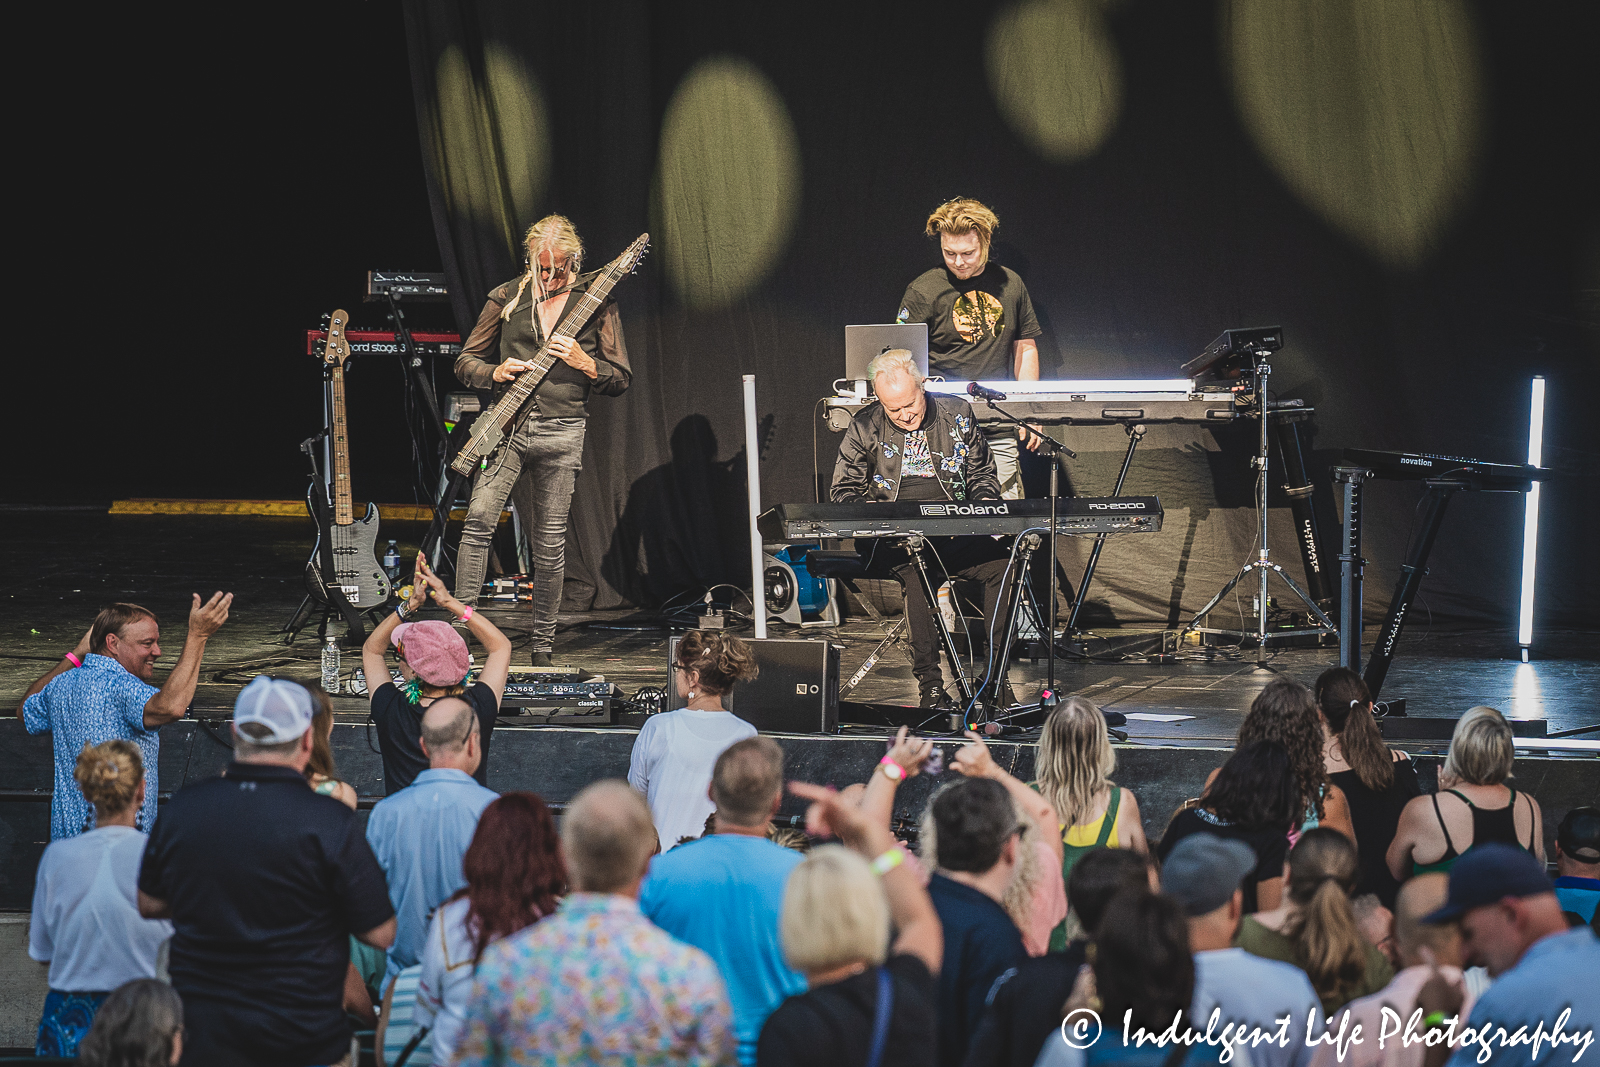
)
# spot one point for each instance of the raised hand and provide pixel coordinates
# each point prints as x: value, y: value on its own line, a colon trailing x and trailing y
x: 910, y: 752
x: 206, y: 619
x: 832, y: 814
x: 973, y: 758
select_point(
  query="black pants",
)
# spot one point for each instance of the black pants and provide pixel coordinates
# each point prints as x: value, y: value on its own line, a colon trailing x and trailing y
x: 981, y: 559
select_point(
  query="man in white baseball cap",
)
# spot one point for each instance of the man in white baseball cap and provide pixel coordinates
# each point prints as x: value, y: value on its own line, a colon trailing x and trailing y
x: 263, y: 881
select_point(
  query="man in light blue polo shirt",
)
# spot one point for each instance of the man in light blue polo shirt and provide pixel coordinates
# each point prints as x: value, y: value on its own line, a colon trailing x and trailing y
x: 420, y: 833
x: 1511, y: 923
x: 723, y: 893
x: 102, y: 690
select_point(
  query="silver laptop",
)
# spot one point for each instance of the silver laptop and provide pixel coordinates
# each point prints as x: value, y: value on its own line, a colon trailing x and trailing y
x: 863, y: 344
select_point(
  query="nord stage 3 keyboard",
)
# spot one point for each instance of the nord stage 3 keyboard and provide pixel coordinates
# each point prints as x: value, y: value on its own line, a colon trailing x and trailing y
x: 1075, y: 515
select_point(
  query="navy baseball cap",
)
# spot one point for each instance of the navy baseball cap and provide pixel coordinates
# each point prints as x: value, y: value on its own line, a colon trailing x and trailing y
x: 1488, y: 874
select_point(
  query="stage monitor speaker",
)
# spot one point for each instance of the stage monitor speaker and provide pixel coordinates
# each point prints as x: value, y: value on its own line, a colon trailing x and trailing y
x: 796, y: 690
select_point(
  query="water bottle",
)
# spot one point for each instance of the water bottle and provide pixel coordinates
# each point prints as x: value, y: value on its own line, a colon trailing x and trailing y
x: 391, y: 562
x: 330, y: 664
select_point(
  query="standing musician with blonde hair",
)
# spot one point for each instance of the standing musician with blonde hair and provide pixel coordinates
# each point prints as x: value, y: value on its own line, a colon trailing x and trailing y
x: 981, y: 325
x: 538, y: 464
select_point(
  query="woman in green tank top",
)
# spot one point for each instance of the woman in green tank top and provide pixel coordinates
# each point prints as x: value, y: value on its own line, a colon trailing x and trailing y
x: 1074, y: 766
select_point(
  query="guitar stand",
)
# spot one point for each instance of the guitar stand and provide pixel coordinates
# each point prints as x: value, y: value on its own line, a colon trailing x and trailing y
x: 1262, y: 565
x: 336, y: 603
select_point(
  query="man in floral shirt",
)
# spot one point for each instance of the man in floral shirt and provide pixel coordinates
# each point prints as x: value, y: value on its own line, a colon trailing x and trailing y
x: 913, y: 445
x: 597, y: 982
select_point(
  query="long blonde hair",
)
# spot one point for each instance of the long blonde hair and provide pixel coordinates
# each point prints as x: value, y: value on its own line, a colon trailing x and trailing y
x: 1328, y: 945
x: 1075, y: 759
x: 553, y: 233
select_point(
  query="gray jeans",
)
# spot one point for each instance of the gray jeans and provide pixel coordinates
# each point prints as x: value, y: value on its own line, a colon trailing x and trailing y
x: 550, y: 453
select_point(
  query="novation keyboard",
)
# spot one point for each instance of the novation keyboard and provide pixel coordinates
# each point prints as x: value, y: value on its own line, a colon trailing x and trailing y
x: 1087, y: 402
x: 872, y: 518
x: 1476, y: 474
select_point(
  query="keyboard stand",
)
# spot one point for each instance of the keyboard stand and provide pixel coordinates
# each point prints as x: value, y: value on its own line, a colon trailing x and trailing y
x: 914, y: 545
x: 1262, y: 565
x: 1438, y: 496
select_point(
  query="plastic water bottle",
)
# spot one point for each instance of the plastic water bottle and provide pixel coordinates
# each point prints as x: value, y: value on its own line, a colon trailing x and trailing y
x: 330, y: 664
x: 391, y: 562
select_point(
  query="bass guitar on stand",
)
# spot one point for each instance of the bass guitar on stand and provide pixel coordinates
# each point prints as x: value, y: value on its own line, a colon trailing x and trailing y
x: 352, y: 544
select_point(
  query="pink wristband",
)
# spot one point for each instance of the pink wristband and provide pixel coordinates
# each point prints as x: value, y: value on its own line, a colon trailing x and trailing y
x: 76, y: 662
x: 466, y: 616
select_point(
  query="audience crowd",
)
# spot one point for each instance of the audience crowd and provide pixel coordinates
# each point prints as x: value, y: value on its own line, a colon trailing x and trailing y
x: 1311, y: 887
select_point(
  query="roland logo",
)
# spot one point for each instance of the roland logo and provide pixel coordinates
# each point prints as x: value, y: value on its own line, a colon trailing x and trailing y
x: 1413, y: 461
x: 952, y: 510
x: 1119, y: 505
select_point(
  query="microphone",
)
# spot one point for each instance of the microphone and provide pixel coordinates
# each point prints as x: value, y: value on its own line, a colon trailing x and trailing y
x: 974, y: 389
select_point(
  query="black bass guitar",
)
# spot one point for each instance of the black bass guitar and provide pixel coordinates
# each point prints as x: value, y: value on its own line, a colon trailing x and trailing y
x: 353, y: 543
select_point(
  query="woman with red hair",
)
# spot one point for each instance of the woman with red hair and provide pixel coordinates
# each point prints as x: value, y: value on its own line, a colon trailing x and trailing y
x: 515, y: 875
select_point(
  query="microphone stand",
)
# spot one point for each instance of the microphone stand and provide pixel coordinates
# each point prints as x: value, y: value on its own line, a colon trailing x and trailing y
x: 1056, y: 451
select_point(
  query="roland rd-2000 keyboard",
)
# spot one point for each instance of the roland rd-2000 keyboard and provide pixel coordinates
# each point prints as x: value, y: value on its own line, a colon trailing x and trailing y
x: 1074, y: 515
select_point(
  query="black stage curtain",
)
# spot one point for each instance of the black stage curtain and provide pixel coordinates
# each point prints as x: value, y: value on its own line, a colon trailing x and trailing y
x: 1403, y: 186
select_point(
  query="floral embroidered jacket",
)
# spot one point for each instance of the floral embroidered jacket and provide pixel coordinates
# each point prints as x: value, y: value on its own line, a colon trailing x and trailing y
x: 868, y: 467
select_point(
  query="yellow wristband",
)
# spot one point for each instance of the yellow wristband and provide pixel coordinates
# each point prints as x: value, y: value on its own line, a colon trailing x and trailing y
x: 887, y: 862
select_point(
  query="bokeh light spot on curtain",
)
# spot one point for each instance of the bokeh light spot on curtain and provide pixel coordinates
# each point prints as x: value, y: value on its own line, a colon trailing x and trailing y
x: 727, y: 190
x: 1055, y: 74
x: 1369, y: 109
x: 524, y: 129
x: 492, y: 139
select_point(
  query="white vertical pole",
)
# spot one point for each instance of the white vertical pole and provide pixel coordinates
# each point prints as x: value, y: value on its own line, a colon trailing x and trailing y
x: 1530, y: 519
x: 752, y: 465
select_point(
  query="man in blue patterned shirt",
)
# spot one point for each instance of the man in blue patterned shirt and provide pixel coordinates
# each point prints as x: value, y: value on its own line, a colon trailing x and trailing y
x: 102, y: 690
x: 597, y: 983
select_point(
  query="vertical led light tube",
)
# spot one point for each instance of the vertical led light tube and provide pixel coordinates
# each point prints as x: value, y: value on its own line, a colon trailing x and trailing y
x: 1530, y: 521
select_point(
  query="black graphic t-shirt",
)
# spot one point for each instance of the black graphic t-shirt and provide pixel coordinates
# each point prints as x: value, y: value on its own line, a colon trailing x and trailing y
x: 972, y: 324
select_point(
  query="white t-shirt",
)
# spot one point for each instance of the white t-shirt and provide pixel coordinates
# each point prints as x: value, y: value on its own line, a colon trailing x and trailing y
x: 1257, y: 991
x: 446, y: 981
x: 671, y: 766
x: 86, y: 920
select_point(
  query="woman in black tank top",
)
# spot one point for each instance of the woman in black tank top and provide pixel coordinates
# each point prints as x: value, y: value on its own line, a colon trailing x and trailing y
x: 1475, y: 773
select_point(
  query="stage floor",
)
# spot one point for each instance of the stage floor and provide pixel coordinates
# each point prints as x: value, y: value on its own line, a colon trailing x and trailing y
x: 64, y: 563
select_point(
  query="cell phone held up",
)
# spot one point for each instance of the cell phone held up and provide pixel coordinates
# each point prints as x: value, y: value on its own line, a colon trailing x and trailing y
x: 933, y: 765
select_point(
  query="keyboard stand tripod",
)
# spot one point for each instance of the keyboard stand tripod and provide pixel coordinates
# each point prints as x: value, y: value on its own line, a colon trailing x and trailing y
x: 1262, y: 565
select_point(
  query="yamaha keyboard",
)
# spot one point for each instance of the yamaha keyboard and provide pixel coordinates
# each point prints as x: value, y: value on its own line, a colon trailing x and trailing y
x: 1475, y: 474
x: 1086, y: 402
x: 902, y: 518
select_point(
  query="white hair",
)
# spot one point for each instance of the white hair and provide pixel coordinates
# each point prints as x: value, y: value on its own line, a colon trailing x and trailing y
x: 894, y: 361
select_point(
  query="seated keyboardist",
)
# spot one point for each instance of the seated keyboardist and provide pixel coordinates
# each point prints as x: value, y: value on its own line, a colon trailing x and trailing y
x: 913, y: 445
